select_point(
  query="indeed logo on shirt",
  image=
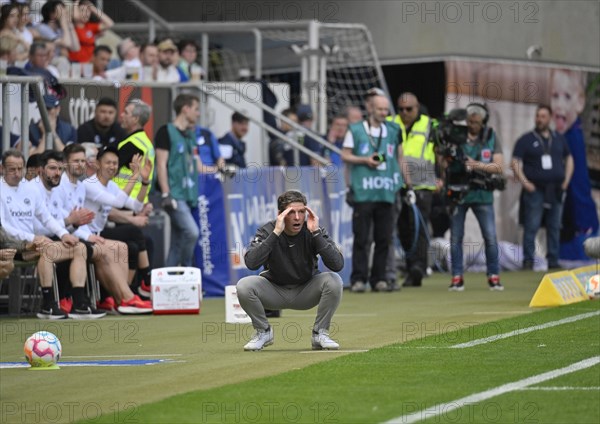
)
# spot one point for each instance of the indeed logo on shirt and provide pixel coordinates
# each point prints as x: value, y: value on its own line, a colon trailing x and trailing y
x: 21, y: 214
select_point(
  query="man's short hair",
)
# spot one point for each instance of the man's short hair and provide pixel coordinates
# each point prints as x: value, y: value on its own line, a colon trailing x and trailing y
x: 102, y: 48
x: 12, y: 153
x: 109, y: 148
x: 184, y: 99
x: 33, y: 161
x: 238, y: 117
x: 91, y: 150
x: 181, y: 45
x: 288, y: 112
x: 72, y: 149
x: 544, y: 106
x: 124, y: 46
x: 35, y: 46
x: 49, y: 155
x: 106, y: 101
x: 290, y: 196
x: 141, y: 110
x: 374, y: 91
x: 146, y: 45
x: 338, y: 116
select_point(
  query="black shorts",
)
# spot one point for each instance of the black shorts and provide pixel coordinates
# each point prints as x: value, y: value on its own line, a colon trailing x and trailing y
x: 89, y: 247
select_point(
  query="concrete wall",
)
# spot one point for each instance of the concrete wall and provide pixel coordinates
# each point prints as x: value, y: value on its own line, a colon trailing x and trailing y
x: 567, y: 31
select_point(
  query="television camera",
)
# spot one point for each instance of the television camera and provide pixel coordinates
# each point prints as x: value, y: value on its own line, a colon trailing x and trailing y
x: 449, y: 134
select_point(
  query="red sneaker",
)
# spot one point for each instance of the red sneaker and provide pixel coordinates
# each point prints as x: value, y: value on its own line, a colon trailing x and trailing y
x: 66, y: 304
x: 494, y: 283
x: 457, y: 283
x: 107, y: 304
x: 135, y: 305
x: 144, y: 290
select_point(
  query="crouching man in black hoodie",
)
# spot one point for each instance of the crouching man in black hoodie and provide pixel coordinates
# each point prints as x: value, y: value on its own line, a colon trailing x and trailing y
x: 287, y: 248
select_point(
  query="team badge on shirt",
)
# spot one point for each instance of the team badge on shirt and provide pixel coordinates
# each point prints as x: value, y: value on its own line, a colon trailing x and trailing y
x: 486, y: 155
x: 390, y: 150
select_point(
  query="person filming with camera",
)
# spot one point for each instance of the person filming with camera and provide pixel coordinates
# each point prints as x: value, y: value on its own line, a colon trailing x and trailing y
x: 482, y: 156
x: 371, y: 149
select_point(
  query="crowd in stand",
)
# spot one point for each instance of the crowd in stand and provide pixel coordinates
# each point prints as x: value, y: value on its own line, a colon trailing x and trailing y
x: 63, y: 44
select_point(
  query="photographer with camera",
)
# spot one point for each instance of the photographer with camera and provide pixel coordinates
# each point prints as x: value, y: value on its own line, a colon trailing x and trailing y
x: 418, y: 170
x: 543, y: 164
x: 371, y: 148
x: 477, y: 158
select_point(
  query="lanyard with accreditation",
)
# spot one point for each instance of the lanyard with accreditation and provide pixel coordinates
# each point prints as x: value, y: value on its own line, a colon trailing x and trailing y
x: 546, y: 157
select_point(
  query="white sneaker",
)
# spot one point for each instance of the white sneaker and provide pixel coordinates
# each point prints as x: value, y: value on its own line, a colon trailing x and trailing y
x: 358, y: 287
x: 323, y: 341
x: 262, y: 338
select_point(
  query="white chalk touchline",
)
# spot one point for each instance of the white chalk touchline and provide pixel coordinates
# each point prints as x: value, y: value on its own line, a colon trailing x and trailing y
x: 444, y: 408
x: 560, y: 389
x: 336, y: 315
x: 124, y: 356
x: 334, y: 351
x: 525, y: 330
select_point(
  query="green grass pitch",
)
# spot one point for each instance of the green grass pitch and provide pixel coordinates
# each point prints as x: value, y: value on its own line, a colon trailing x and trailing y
x: 396, y: 358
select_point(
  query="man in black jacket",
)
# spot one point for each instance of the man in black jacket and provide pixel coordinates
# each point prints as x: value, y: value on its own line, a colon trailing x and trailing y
x: 103, y: 129
x: 287, y: 248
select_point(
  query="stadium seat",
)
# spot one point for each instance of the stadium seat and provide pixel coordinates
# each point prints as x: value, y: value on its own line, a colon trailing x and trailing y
x: 23, y: 286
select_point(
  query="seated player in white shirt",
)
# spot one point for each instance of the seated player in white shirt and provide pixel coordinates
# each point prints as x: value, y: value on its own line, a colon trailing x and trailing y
x: 109, y: 256
x: 20, y: 203
x: 104, y: 197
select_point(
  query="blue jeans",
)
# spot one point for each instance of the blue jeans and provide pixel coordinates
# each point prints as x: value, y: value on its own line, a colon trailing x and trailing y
x: 184, y: 234
x: 533, y: 212
x: 487, y: 223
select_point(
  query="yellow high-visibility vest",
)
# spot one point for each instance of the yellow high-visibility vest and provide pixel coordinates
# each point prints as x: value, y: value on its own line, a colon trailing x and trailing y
x: 418, y: 152
x: 142, y: 142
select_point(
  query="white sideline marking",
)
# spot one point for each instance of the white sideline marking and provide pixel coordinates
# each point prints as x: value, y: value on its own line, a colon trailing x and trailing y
x: 334, y: 351
x: 564, y: 388
x: 444, y: 408
x: 525, y: 330
x: 124, y: 356
x: 336, y: 315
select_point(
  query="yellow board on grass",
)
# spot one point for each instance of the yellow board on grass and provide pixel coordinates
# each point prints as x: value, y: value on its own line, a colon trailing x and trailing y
x: 560, y: 288
x: 584, y: 274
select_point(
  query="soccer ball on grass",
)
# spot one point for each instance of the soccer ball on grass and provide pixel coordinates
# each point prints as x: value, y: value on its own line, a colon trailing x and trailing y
x: 43, y: 350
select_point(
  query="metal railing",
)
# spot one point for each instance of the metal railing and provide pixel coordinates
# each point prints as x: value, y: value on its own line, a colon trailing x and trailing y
x: 25, y: 83
x: 299, y: 128
x: 274, y: 131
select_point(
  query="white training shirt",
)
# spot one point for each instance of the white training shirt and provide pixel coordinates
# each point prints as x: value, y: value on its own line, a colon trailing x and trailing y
x: 54, y: 205
x: 73, y: 196
x: 18, y: 207
x: 349, y: 138
x: 100, y: 199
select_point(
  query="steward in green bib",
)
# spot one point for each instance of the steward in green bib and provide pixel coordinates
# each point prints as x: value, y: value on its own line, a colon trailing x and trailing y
x: 135, y: 115
x: 371, y: 150
x: 177, y: 166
